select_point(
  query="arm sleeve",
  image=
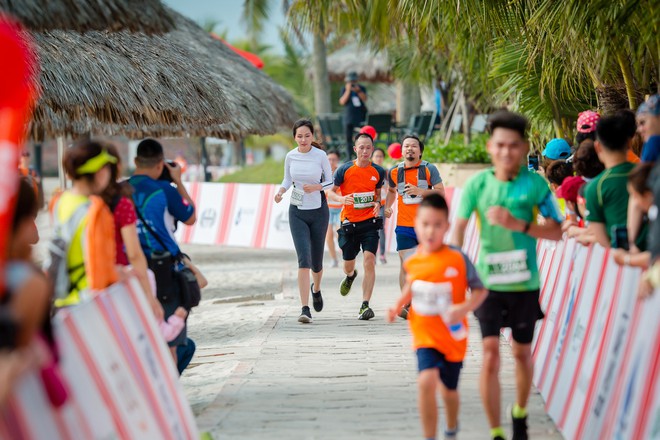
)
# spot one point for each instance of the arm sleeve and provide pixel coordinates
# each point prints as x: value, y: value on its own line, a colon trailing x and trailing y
x: 434, y: 175
x: 339, y: 175
x: 594, y: 210
x: 381, y: 177
x: 179, y: 209
x: 467, y: 203
x: 390, y: 177
x: 473, y: 280
x: 327, y: 178
x: 286, y: 182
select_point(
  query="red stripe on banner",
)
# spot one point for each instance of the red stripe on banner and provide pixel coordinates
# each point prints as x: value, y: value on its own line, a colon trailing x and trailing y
x: 228, y: 214
x: 555, y: 333
x: 96, y: 377
x: 81, y: 419
x: 586, y: 336
x: 618, y: 386
x: 109, y: 313
x: 194, y: 194
x: 262, y: 216
x: 164, y: 364
x: 62, y: 426
x: 269, y: 214
x: 18, y: 418
x: 449, y: 196
x: 604, y: 343
x: 552, y: 296
x: 649, y: 393
x: 552, y: 260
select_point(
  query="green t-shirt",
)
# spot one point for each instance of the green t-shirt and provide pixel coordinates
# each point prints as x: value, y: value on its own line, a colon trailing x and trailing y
x: 607, y: 197
x: 507, y: 259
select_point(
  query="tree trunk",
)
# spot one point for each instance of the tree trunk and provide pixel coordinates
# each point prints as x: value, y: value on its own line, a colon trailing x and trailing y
x: 322, y: 102
x: 408, y: 101
x: 628, y: 79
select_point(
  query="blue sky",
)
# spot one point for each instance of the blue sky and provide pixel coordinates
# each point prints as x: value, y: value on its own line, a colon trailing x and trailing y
x: 228, y: 14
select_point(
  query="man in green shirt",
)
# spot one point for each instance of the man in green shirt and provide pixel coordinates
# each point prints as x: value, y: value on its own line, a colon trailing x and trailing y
x: 607, y: 194
x: 506, y: 200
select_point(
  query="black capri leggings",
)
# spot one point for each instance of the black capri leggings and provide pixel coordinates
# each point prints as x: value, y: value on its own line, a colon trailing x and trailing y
x: 308, y: 229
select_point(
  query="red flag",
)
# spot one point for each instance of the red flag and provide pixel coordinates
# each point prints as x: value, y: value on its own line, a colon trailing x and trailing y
x: 17, y: 96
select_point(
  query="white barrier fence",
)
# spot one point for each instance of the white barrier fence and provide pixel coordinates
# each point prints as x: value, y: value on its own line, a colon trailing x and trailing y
x: 118, y: 372
x: 596, y: 354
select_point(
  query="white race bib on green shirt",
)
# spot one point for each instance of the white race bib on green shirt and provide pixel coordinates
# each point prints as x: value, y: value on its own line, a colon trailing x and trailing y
x: 430, y: 299
x: 508, y: 267
x: 363, y: 200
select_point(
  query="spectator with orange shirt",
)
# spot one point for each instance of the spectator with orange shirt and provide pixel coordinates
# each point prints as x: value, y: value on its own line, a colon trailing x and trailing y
x: 360, y: 182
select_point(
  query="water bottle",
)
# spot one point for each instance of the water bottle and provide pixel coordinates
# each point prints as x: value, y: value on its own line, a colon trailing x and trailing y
x: 457, y: 331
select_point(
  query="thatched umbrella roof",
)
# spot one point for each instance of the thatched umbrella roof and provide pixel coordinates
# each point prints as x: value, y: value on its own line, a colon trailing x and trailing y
x: 370, y: 65
x: 140, y: 81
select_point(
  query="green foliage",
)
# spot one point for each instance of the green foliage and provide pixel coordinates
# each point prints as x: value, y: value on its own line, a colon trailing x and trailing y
x: 266, y: 141
x: 456, y: 151
x: 270, y: 171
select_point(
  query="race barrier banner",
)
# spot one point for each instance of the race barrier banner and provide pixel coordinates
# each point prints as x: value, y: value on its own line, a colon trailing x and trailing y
x: 118, y: 372
x: 596, y: 353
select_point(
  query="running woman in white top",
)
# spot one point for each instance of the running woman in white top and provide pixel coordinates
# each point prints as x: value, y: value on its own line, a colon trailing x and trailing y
x: 307, y: 169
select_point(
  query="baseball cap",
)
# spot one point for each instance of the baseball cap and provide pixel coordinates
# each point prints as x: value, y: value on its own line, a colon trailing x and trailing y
x: 557, y: 149
x: 651, y: 106
x: 568, y: 190
x: 351, y: 76
x: 587, y: 120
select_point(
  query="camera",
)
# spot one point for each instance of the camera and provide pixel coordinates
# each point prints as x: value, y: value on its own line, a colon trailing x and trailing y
x: 165, y: 175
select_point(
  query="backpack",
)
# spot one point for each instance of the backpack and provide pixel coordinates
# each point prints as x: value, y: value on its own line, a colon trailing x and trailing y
x: 98, y: 257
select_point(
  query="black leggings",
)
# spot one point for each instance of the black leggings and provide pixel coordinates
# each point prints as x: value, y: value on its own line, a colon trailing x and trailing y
x: 308, y: 229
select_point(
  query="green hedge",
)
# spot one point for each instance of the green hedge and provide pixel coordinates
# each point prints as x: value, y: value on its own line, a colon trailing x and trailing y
x: 270, y: 171
x: 456, y: 151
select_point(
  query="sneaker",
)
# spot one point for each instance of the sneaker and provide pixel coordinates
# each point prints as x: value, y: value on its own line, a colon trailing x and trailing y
x: 404, y: 312
x: 346, y: 284
x: 335, y: 263
x: 305, y: 316
x: 451, y: 434
x: 317, y: 299
x: 383, y: 260
x: 498, y: 437
x: 366, y: 313
x: 519, y: 428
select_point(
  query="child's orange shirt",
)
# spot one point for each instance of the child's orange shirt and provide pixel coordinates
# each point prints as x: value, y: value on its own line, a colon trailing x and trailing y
x: 449, y: 270
x: 362, y: 183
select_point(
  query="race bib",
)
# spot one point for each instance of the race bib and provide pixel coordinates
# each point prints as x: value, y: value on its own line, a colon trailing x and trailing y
x: 356, y: 101
x: 508, y: 267
x: 430, y: 299
x: 409, y: 199
x: 363, y: 200
x: 297, y: 197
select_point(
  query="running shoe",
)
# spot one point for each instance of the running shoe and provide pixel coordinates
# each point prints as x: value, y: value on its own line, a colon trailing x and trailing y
x: 366, y: 313
x: 335, y: 263
x: 498, y: 437
x: 519, y: 428
x: 305, y: 316
x: 346, y: 284
x: 317, y: 299
x: 403, y: 313
x: 383, y: 260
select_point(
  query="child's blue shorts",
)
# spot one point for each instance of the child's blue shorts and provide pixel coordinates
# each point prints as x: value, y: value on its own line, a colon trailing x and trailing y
x: 432, y: 358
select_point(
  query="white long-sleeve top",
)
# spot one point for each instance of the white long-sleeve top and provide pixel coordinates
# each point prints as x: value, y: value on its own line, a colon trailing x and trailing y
x: 307, y: 168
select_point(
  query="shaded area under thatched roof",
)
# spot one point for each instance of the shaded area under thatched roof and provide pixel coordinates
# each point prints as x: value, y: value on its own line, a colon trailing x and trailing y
x: 370, y: 65
x: 178, y: 83
x: 84, y: 15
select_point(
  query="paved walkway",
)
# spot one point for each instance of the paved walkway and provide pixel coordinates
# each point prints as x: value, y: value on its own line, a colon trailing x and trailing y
x: 259, y: 374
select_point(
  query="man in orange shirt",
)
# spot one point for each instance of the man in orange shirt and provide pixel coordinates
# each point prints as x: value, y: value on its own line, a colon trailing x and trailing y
x: 438, y: 276
x: 360, y: 182
x: 412, y: 179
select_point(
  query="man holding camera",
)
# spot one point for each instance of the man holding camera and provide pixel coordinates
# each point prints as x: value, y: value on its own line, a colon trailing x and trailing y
x: 353, y: 98
x: 159, y: 205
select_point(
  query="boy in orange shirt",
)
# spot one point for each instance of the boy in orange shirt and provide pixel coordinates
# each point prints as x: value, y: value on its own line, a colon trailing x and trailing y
x: 438, y: 277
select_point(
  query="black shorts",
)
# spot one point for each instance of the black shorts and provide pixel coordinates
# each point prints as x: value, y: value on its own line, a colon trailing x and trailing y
x: 350, y: 244
x: 432, y: 358
x: 517, y: 310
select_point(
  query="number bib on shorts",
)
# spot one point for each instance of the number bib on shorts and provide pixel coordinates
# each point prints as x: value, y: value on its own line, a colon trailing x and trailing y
x: 297, y: 197
x: 508, y: 267
x: 430, y: 299
x: 363, y: 200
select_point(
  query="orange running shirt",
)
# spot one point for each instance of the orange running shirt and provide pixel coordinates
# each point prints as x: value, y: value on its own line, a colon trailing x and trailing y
x: 632, y: 157
x: 363, y: 182
x: 406, y: 213
x: 335, y: 205
x: 449, y: 270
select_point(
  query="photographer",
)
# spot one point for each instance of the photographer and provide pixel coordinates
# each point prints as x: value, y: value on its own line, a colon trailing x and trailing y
x: 158, y: 206
x: 354, y: 99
